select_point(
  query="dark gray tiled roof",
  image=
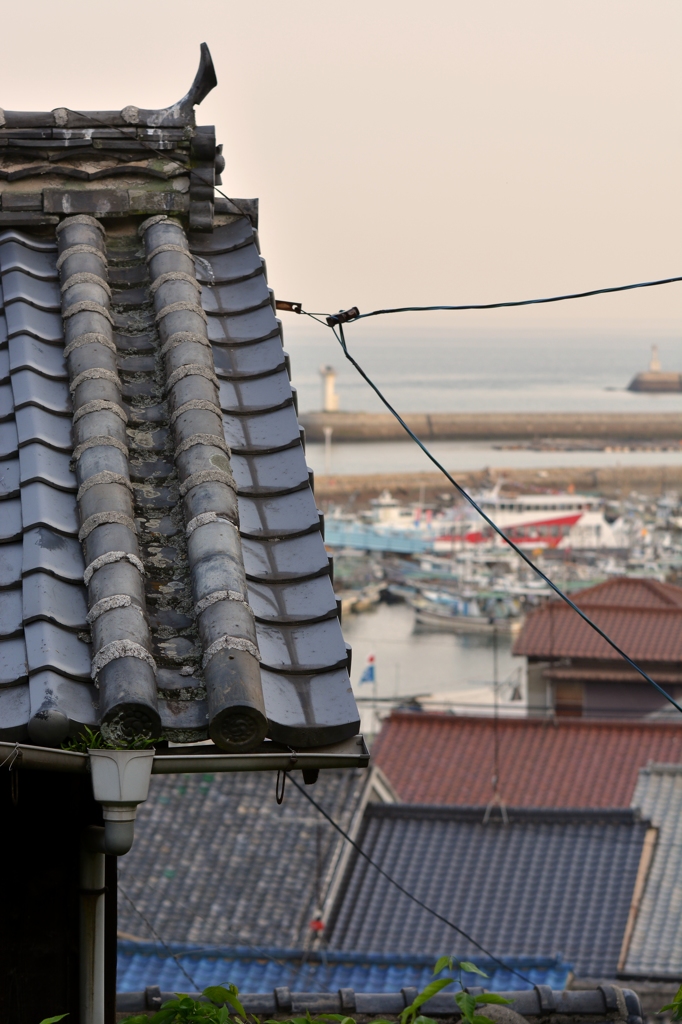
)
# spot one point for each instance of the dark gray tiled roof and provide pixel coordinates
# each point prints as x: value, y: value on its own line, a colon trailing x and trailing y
x: 162, y: 566
x: 547, y: 883
x: 217, y: 861
x: 655, y: 948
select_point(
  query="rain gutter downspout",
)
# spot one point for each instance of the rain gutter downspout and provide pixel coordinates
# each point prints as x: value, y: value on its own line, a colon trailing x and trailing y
x: 120, y: 781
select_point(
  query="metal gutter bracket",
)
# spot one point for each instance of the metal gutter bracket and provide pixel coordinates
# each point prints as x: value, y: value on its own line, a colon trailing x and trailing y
x: 120, y: 781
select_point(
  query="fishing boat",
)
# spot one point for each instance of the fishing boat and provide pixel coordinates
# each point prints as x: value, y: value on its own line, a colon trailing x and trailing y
x: 438, y: 609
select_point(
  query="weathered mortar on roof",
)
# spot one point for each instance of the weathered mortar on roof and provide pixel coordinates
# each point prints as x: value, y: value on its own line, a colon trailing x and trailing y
x: 177, y: 410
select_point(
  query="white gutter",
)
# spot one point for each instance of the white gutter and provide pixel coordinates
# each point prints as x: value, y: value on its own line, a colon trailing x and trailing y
x: 351, y: 753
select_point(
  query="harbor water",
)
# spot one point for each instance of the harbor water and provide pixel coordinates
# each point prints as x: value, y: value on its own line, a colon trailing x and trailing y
x: 456, y: 671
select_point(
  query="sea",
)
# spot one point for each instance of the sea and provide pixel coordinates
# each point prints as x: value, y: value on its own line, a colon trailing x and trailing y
x: 448, y: 370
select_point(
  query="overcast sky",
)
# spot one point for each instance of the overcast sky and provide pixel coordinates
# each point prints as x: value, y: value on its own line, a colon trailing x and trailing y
x: 440, y: 151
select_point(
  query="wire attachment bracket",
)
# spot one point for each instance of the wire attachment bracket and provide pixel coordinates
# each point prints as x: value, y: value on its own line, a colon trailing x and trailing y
x: 343, y: 316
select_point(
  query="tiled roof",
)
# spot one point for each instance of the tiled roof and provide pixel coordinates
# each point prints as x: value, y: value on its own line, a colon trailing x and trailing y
x: 643, y: 617
x: 216, y: 860
x: 655, y: 948
x: 262, y: 969
x: 160, y: 536
x: 548, y: 882
x: 448, y: 759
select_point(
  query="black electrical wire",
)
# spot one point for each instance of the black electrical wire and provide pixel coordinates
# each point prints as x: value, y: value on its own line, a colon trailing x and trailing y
x: 340, y: 337
x: 403, y: 890
x: 518, y: 302
x: 158, y: 937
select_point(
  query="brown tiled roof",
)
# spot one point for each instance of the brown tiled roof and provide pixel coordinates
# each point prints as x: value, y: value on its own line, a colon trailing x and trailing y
x: 643, y: 617
x: 446, y: 759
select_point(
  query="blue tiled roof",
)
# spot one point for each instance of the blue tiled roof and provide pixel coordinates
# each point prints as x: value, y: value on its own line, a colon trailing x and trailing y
x: 145, y: 963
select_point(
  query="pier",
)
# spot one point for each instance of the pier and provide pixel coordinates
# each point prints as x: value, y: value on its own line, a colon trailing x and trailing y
x: 492, y: 426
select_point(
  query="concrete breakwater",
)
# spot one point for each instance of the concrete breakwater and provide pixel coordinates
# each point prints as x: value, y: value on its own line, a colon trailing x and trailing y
x: 489, y: 426
x: 612, y: 482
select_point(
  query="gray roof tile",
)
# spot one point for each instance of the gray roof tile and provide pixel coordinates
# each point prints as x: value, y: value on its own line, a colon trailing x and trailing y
x: 13, y: 665
x: 11, y: 621
x: 128, y: 412
x: 256, y: 394
x: 6, y: 401
x: 265, y: 431
x: 16, y: 255
x: 36, y: 424
x: 275, y: 471
x: 292, y: 602
x: 312, y: 647
x: 216, y: 859
x: 279, y: 515
x: 40, y: 356
x: 224, y: 299
x: 10, y: 564
x: 251, y: 326
x: 8, y: 439
x: 9, y: 478
x: 548, y: 881
x: 17, y: 285
x: 281, y: 559
x: 247, y: 360
x: 10, y: 520
x: 655, y: 948
x: 15, y: 709
x: 51, y: 647
x: 53, y: 552
x: 46, y: 597
x: 41, y: 463
x: 32, y: 388
x: 315, y: 708
x: 24, y: 319
x: 42, y: 505
x: 234, y: 266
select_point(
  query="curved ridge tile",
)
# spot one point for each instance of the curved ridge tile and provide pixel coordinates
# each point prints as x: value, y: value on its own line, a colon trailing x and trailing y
x: 226, y: 626
x: 122, y: 661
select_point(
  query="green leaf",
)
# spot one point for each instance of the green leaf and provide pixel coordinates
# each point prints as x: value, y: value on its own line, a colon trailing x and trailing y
x: 492, y: 997
x: 216, y: 993
x: 424, y: 1020
x: 442, y: 963
x: 427, y: 993
x: 52, y: 1020
x: 467, y: 1005
x: 478, y: 1018
x: 466, y: 965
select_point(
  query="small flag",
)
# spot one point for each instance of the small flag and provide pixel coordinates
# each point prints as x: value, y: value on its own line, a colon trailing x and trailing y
x: 368, y: 674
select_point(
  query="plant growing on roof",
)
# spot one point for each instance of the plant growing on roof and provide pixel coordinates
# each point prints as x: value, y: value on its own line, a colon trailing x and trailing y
x: 675, y: 1006
x: 92, y: 739
x: 185, y: 1010
x: 467, y: 1003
